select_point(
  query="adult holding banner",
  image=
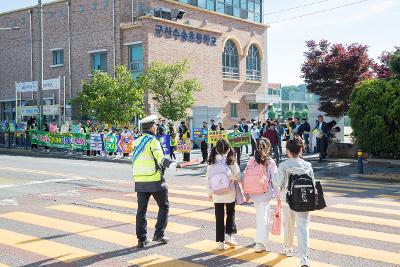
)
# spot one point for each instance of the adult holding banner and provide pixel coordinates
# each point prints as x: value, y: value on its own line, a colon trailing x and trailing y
x: 126, y: 142
x: 148, y: 172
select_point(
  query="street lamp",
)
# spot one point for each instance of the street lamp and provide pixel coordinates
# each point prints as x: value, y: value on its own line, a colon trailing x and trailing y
x: 10, y: 29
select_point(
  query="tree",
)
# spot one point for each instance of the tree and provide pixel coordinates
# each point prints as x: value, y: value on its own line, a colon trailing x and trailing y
x: 111, y: 99
x: 384, y: 69
x: 288, y: 114
x: 304, y: 114
x: 375, y: 116
x: 395, y: 63
x: 167, y: 84
x: 332, y: 71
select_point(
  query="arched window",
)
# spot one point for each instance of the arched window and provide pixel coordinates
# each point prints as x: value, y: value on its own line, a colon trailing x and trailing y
x: 230, y: 65
x: 253, y: 64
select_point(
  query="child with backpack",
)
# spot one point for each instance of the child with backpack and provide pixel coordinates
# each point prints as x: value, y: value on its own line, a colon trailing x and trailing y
x: 295, y: 178
x: 222, y: 172
x: 257, y: 183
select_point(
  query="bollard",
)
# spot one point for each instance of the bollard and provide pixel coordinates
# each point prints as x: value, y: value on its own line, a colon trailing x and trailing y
x: 360, y: 164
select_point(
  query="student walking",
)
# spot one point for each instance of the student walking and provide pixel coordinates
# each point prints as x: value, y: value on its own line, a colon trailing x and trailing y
x: 257, y: 183
x: 222, y: 171
x: 295, y: 165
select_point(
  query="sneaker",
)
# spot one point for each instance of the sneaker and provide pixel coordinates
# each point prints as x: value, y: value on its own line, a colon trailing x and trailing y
x: 142, y: 244
x: 162, y: 239
x: 259, y: 248
x: 231, y: 241
x: 305, y: 262
x: 221, y: 246
x: 289, y: 252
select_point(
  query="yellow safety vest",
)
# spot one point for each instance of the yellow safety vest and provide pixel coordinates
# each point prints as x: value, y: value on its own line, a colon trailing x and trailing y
x: 144, y: 167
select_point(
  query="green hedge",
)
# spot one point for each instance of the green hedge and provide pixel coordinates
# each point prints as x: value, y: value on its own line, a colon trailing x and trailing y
x: 375, y: 116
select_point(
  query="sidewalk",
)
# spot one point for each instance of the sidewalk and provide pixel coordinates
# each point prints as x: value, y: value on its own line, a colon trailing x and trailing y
x: 374, y: 169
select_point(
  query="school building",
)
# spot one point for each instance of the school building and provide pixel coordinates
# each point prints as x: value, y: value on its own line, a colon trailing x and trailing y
x: 225, y: 41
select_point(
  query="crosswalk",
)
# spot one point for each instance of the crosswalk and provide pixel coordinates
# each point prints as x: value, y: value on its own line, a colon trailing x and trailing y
x: 339, y: 230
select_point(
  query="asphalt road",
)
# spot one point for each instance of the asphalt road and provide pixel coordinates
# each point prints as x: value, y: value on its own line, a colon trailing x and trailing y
x: 57, y: 212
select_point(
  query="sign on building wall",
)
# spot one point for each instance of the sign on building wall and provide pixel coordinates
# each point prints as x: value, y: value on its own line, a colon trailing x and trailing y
x: 34, y: 110
x: 52, y: 84
x: 185, y: 36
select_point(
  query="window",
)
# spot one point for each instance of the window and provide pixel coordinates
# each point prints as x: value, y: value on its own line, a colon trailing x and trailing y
x: 253, y: 106
x: 234, y: 110
x: 136, y: 59
x: 246, y: 9
x: 253, y: 64
x: 230, y: 67
x: 58, y: 57
x: 99, y: 61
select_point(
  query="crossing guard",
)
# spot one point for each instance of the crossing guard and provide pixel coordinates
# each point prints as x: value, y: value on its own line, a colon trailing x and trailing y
x: 149, y: 165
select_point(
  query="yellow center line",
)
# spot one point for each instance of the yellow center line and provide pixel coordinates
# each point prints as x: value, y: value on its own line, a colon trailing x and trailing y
x: 334, y: 188
x: 339, y: 248
x: 43, y: 247
x: 325, y: 183
x: 119, y: 217
x: 156, y: 260
x: 107, y: 235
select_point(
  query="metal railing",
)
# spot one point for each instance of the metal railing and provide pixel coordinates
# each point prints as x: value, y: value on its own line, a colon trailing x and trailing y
x: 230, y: 72
x: 253, y: 75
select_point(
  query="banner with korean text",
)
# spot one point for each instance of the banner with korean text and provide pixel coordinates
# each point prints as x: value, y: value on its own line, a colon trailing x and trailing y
x: 184, y: 146
x: 200, y: 134
x: 239, y: 139
x: 59, y: 140
x: 214, y: 136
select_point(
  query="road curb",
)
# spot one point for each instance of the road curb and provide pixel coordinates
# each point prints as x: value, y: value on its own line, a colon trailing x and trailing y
x: 393, y: 177
x: 29, y: 153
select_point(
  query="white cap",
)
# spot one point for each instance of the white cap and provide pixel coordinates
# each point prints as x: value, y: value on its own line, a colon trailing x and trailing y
x: 151, y: 118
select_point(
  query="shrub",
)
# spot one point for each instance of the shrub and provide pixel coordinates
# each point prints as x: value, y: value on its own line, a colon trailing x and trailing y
x: 375, y: 116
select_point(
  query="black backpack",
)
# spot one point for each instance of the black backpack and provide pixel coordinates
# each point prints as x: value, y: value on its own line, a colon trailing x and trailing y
x: 302, y: 195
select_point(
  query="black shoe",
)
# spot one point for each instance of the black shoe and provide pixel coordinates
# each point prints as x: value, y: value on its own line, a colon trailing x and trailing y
x: 142, y: 244
x: 202, y: 162
x: 162, y: 239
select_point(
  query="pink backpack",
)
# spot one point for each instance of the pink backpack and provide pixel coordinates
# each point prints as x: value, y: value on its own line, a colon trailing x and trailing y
x: 219, y: 177
x: 255, y: 178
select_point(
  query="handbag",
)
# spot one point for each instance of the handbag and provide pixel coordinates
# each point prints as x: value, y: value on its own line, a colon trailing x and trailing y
x: 277, y: 221
x: 239, y: 199
x: 319, y: 199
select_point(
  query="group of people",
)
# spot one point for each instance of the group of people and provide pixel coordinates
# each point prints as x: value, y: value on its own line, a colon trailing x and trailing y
x: 277, y: 132
x: 223, y: 177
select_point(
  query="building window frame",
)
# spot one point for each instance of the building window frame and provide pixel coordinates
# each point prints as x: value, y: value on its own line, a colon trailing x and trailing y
x: 135, y: 57
x: 58, y: 57
x: 234, y: 113
x: 253, y: 64
x: 230, y: 60
x: 98, y: 60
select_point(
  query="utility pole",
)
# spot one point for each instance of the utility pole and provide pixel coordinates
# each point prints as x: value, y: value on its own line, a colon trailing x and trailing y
x: 40, y: 80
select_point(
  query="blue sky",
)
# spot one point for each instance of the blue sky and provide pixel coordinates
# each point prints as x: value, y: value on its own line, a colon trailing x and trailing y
x: 373, y: 22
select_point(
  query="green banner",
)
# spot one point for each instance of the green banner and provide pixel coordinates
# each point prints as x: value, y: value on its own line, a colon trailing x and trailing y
x: 239, y: 139
x: 59, y: 140
x: 110, y: 143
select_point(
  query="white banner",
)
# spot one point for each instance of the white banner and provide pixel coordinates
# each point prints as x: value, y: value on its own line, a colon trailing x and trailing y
x: 34, y: 110
x: 52, y: 84
x: 96, y: 142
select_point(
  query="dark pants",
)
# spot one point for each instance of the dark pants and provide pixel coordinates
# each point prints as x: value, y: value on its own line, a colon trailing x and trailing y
x: 228, y: 227
x: 280, y: 148
x: 171, y: 152
x: 253, y: 146
x: 307, y: 142
x: 204, y: 150
x: 125, y: 155
x: 161, y: 197
x: 186, y: 157
x: 237, y: 151
x: 322, y: 144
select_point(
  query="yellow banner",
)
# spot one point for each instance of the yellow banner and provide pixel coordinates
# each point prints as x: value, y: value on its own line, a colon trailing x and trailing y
x: 214, y: 136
